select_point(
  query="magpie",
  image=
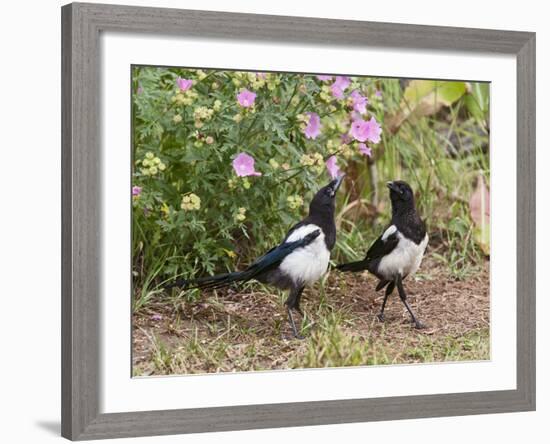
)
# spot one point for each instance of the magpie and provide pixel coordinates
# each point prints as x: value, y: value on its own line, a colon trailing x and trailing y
x: 398, y: 252
x: 299, y: 260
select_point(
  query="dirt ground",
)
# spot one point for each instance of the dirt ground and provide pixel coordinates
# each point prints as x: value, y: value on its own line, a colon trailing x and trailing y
x: 248, y: 330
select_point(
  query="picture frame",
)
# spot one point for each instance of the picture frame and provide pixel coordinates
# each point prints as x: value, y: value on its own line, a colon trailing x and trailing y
x: 81, y: 208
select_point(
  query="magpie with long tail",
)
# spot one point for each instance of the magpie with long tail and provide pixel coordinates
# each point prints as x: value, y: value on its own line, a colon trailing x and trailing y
x: 299, y: 260
x: 398, y: 252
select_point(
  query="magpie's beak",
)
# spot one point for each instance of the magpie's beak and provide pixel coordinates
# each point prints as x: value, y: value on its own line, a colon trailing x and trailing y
x: 336, y: 184
x: 393, y: 187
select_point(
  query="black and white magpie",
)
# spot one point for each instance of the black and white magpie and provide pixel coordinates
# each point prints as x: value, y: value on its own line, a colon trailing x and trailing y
x: 299, y: 260
x: 399, y: 251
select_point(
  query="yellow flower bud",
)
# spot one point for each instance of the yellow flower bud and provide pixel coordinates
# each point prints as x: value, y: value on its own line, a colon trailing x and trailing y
x: 190, y: 202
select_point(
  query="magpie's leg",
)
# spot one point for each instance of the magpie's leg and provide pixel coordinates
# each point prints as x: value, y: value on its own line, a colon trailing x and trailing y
x: 293, y: 324
x: 403, y: 296
x: 293, y: 302
x: 297, y: 303
x: 389, y: 290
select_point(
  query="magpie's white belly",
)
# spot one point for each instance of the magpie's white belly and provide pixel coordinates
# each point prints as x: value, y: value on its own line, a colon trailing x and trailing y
x: 306, y: 264
x: 404, y: 259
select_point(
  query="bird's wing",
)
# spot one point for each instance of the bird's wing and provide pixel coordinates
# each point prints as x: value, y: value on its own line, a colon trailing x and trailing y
x: 302, y: 223
x: 381, y: 247
x: 276, y: 255
x: 268, y: 261
x: 384, y: 245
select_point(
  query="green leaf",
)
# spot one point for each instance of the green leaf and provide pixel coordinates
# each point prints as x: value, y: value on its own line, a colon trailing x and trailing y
x: 477, y: 101
x: 424, y: 98
x: 193, y: 155
x: 433, y: 92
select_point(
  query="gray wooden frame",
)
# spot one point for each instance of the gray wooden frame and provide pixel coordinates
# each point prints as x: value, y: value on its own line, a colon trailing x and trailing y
x: 81, y: 164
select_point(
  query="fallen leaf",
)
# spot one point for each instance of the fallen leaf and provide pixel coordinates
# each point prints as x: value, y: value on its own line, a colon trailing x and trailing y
x: 480, y: 211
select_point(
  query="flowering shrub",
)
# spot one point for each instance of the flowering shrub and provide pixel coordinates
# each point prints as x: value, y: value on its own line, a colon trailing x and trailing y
x: 225, y: 162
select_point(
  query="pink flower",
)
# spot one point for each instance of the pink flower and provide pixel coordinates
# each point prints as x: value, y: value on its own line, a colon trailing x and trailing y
x: 156, y: 317
x: 184, y: 84
x: 374, y: 130
x: 364, y: 149
x: 246, y: 98
x: 313, y: 128
x: 359, y: 102
x: 337, y: 92
x: 261, y: 75
x: 378, y: 93
x: 339, y: 86
x: 332, y: 168
x: 342, y: 82
x: 243, y: 165
x: 359, y: 130
x: 362, y: 130
x: 324, y: 78
x: 136, y: 191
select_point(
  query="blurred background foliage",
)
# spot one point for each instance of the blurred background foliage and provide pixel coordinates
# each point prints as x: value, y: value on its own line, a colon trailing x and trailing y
x: 194, y: 215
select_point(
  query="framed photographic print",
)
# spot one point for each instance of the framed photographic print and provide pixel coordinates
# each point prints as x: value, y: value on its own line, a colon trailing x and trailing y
x: 278, y: 221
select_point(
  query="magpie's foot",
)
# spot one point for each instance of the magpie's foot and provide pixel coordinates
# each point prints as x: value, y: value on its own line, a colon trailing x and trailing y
x: 419, y: 325
x: 299, y: 310
x: 299, y: 337
x: 381, y: 317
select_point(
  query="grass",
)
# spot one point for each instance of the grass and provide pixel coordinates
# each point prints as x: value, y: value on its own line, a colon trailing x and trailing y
x: 329, y: 345
x: 248, y: 330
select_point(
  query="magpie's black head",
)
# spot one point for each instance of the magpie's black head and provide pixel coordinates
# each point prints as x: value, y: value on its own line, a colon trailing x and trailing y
x: 401, y: 193
x: 403, y: 211
x: 325, y: 198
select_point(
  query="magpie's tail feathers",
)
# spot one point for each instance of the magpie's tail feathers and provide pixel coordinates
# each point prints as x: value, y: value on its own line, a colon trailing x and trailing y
x: 210, y: 282
x: 220, y: 280
x: 352, y: 266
